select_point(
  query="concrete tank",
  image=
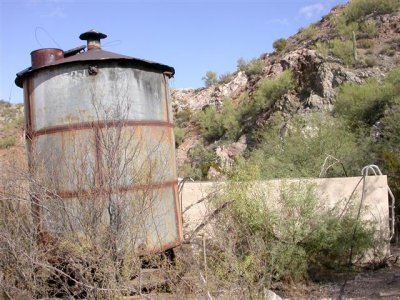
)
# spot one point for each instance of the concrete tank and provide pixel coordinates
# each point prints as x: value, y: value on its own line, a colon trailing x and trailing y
x: 100, y: 139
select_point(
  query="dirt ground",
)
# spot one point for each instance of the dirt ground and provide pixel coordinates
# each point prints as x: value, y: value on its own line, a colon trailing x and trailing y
x: 383, y: 283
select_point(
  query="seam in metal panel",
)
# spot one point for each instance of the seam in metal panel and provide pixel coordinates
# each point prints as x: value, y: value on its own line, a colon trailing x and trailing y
x: 166, y: 97
x: 178, y: 213
x: 99, y: 125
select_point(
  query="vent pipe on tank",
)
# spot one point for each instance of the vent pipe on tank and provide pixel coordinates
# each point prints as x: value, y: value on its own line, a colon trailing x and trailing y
x: 93, y: 38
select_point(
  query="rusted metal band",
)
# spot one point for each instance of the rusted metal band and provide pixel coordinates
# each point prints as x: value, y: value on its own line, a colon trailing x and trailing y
x: 159, y: 248
x: 100, y: 124
x: 121, y: 189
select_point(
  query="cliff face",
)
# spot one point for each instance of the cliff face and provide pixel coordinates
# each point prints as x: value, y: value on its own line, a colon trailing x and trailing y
x: 321, y: 58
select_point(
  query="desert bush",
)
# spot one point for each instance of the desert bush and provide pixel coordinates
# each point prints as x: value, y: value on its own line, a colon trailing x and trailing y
x: 368, y: 30
x: 252, y: 68
x: 370, y: 61
x: 201, y: 160
x: 241, y: 64
x: 357, y: 9
x: 322, y: 48
x: 309, y: 32
x: 210, y: 78
x: 261, y: 240
x: 216, y: 124
x: 299, y: 148
x: 388, y: 51
x: 268, y: 92
x: 343, y: 50
x: 179, y: 134
x: 210, y: 123
x: 365, y: 43
x: 279, y: 45
x: 7, y: 142
x: 374, y: 105
x: 54, y: 245
x: 345, y: 30
x: 225, y: 78
x: 183, y: 118
x: 365, y: 104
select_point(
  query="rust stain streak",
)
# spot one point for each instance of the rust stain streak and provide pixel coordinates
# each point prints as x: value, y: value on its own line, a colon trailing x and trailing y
x: 178, y: 213
x: 121, y: 189
x: 97, y: 172
x: 100, y: 124
x: 161, y: 247
x: 29, y: 95
x: 166, y: 96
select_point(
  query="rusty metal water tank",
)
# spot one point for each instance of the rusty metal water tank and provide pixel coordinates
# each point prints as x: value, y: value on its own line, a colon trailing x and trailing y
x: 99, y: 132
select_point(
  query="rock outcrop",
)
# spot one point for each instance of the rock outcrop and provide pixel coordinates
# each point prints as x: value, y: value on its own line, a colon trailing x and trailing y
x: 318, y: 78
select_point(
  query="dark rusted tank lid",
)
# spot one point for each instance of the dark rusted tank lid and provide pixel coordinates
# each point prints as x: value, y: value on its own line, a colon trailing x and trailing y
x: 93, y: 53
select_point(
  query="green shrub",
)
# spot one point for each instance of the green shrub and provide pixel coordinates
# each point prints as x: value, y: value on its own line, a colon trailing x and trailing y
x: 345, y: 30
x: 230, y: 120
x: 391, y: 128
x: 363, y: 105
x: 179, y: 134
x: 370, y: 61
x: 271, y: 90
x: 7, y: 142
x: 263, y: 240
x: 252, y: 68
x: 210, y: 78
x: 225, y: 78
x: 280, y: 44
x: 201, y: 160
x: 365, y: 43
x: 183, y: 118
x: 309, y: 32
x: 216, y: 124
x: 186, y: 170
x: 322, y: 48
x: 241, y: 64
x: 210, y: 123
x: 303, y: 148
x: 357, y: 9
x: 368, y: 30
x: 343, y: 50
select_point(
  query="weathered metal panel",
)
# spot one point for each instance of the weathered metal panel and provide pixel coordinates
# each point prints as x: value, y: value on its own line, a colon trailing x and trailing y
x: 106, y: 138
x: 148, y: 220
x: 69, y: 95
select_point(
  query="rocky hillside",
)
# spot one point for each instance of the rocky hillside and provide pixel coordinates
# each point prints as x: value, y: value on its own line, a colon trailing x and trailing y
x: 12, y: 146
x: 352, y: 44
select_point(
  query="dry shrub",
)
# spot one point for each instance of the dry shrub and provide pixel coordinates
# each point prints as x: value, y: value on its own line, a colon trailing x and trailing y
x: 63, y: 234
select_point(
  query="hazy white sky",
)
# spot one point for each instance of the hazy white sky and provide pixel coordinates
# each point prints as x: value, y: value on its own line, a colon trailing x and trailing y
x: 193, y: 36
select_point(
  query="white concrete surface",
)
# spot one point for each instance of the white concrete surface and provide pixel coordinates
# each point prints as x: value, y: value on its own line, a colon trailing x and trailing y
x: 330, y: 192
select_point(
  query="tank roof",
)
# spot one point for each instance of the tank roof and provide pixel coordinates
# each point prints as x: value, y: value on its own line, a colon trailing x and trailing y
x: 94, y: 54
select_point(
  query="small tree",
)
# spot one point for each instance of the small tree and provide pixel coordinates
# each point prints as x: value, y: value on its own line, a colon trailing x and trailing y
x: 279, y: 44
x: 210, y: 78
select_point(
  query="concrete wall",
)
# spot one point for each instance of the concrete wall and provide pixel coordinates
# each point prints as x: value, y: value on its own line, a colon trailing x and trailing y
x: 331, y: 192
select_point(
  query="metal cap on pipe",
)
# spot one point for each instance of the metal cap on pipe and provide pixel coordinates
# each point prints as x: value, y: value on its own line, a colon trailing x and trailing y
x: 93, y: 38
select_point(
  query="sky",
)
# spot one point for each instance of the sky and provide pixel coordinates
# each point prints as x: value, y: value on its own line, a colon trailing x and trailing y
x: 193, y: 36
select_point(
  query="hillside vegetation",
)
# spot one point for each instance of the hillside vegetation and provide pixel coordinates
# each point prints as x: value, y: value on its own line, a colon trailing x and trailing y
x: 325, y: 103
x: 330, y: 92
